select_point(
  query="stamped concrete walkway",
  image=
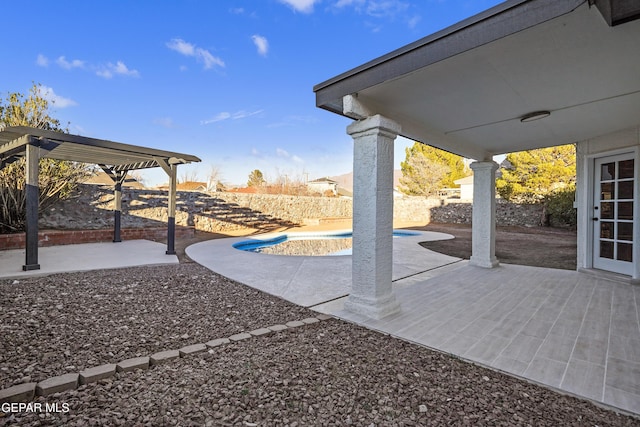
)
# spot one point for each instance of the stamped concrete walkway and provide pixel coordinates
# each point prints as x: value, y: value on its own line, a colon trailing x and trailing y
x: 570, y: 331
x: 308, y: 280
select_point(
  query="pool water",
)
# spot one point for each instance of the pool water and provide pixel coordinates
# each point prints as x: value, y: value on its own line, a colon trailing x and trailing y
x: 306, y: 244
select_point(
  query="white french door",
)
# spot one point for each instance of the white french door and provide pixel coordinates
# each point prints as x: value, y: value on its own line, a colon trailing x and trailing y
x: 613, y: 213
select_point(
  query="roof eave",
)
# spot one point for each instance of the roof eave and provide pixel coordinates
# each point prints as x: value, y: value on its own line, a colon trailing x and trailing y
x: 493, y: 24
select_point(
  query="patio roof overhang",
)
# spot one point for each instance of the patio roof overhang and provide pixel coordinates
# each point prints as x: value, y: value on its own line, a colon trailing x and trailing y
x: 465, y: 89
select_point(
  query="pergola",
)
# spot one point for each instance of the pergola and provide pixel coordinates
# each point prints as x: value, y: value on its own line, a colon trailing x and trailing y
x: 115, y: 158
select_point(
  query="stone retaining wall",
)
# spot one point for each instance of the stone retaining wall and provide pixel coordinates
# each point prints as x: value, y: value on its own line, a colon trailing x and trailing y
x: 221, y: 212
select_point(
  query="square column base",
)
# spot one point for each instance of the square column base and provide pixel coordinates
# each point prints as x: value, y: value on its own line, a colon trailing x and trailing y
x: 485, y: 263
x: 374, y: 308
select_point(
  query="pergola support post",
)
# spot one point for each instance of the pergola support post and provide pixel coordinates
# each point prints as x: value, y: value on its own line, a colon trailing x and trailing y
x: 371, y: 290
x: 32, y: 191
x: 117, y: 209
x: 171, y: 221
x: 118, y: 178
x: 483, y: 230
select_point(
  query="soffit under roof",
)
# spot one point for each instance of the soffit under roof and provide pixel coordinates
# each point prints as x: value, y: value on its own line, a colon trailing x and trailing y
x: 62, y: 146
x: 556, y: 56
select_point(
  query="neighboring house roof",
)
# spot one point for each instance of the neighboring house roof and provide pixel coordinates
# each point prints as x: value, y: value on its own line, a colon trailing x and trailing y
x: 322, y: 181
x: 101, y: 178
x: 467, y: 180
x: 346, y: 180
x: 191, y: 186
x: 467, y: 88
x: 244, y: 190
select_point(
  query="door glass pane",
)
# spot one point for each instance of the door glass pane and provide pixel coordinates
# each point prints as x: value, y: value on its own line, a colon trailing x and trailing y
x: 606, y: 230
x: 624, y: 252
x: 625, y: 190
x: 607, y: 191
x: 625, y: 231
x: 625, y: 210
x: 608, y: 171
x: 606, y: 249
x: 607, y: 210
x: 625, y: 169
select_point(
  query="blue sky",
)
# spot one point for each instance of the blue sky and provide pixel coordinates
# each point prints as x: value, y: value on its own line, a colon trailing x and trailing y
x: 230, y: 81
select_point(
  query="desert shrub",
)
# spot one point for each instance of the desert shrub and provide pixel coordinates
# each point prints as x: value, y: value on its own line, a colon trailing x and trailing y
x: 57, y: 181
x: 559, y: 207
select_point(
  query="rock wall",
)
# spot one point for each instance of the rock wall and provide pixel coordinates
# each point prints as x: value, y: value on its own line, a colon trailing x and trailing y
x: 219, y: 212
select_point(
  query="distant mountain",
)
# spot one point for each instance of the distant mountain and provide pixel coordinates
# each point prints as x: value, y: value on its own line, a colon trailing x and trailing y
x: 346, y: 180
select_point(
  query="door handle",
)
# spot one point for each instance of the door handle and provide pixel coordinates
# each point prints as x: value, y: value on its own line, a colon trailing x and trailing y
x: 595, y: 219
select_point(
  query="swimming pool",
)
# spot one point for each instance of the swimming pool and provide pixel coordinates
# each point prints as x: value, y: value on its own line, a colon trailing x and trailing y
x: 306, y: 244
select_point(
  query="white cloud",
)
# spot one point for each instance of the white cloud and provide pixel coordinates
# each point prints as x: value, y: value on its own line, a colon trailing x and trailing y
x: 261, y: 43
x: 225, y: 115
x: 57, y: 100
x: 380, y: 9
x: 68, y: 65
x: 166, y: 122
x: 217, y: 118
x: 282, y: 153
x: 201, y: 55
x: 209, y: 60
x: 182, y: 47
x: 42, y: 60
x: 385, y: 8
x: 413, y: 21
x: 304, y: 6
x: 119, y: 68
x: 345, y: 3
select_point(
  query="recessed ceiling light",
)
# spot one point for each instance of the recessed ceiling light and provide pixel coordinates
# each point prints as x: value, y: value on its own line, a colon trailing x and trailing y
x: 536, y: 115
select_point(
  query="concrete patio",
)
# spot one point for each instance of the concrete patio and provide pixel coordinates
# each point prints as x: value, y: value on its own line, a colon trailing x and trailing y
x: 85, y: 257
x: 574, y: 332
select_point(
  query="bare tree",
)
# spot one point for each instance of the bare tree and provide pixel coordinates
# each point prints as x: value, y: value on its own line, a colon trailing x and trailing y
x: 189, y: 176
x: 214, y: 178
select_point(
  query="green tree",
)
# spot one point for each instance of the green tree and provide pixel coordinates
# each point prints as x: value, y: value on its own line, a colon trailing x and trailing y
x: 256, y: 179
x: 427, y: 169
x: 57, y: 179
x: 533, y: 174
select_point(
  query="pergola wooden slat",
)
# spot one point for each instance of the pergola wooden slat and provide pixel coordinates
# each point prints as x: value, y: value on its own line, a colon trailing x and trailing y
x: 115, y: 158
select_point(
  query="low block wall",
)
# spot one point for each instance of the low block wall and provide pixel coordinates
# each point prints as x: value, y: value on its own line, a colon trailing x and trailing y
x: 69, y: 237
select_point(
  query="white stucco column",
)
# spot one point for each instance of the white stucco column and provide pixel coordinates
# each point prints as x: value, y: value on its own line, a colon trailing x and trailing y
x: 371, y: 290
x: 483, y: 228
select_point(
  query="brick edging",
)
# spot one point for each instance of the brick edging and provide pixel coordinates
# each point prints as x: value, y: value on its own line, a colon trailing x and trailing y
x: 71, y: 237
x: 26, y: 392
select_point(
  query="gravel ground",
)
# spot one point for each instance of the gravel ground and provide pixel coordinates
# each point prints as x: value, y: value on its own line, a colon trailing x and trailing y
x: 328, y: 373
x: 69, y: 322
